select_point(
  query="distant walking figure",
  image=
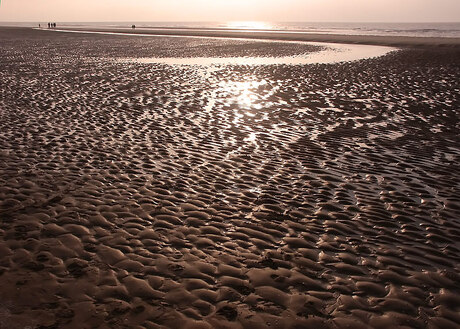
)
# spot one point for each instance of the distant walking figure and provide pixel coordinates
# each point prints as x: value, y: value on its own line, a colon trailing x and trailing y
x: 49, y: 25
x: 133, y: 26
x: 39, y: 25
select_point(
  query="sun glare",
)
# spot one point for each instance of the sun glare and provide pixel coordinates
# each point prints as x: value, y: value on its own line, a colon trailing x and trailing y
x: 251, y: 25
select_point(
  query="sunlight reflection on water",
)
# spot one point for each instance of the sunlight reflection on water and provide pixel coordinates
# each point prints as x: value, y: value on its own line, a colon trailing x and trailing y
x: 247, y: 103
x: 246, y: 91
x: 254, y: 25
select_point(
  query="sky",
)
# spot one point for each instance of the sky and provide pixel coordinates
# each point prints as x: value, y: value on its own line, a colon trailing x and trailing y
x: 230, y: 10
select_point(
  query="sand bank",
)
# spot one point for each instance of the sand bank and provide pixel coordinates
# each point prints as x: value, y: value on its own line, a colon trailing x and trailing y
x: 287, y: 36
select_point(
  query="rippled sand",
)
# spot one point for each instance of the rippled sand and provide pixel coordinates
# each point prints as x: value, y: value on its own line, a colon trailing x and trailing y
x: 153, y: 196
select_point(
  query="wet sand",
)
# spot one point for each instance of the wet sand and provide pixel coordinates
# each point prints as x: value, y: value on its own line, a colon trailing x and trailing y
x: 138, y: 195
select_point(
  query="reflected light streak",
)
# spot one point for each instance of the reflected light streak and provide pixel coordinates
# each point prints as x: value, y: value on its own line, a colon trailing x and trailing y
x: 250, y: 25
x: 244, y: 92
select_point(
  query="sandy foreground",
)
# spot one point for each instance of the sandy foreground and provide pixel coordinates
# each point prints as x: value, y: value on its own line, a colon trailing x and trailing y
x: 154, y: 196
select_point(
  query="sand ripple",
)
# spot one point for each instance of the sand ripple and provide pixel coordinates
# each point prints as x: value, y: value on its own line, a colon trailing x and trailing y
x: 153, y: 196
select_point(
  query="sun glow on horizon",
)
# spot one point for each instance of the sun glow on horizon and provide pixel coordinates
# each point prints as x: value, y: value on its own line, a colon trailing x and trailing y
x: 249, y: 14
x: 251, y: 25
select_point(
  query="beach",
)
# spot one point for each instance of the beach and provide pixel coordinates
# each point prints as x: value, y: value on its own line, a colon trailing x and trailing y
x: 146, y: 195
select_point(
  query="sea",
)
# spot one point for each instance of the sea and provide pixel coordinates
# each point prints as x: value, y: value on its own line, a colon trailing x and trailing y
x: 379, y: 29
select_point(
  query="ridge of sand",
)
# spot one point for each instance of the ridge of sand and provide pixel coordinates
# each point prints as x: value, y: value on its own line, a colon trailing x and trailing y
x: 285, y: 36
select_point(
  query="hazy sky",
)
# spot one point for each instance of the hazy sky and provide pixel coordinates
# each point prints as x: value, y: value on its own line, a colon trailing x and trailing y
x: 225, y: 10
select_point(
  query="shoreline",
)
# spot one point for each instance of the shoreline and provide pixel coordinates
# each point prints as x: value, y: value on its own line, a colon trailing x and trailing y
x: 400, y: 41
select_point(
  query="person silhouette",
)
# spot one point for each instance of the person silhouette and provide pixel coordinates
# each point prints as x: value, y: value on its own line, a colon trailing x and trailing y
x: 49, y: 25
